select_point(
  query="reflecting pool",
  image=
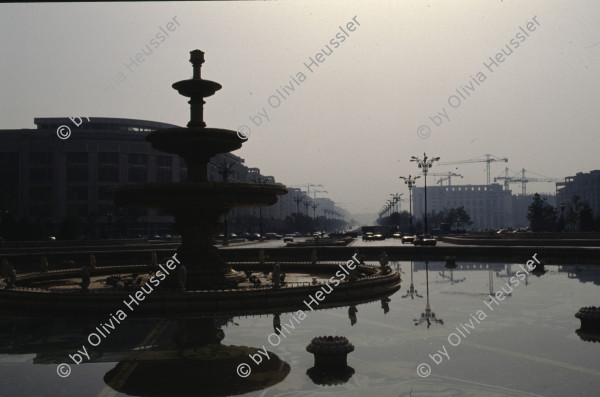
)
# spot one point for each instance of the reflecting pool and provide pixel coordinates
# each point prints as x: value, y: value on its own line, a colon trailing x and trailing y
x: 446, y: 337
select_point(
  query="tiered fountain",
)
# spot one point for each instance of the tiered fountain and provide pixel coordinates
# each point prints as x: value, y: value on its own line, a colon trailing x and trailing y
x: 197, y: 203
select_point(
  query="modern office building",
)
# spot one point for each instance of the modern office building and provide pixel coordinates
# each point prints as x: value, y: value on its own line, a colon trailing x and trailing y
x: 489, y: 206
x: 47, y: 177
x: 584, y: 185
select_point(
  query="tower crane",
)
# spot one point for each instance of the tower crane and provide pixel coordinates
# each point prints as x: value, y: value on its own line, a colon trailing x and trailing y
x: 489, y: 158
x: 524, y: 179
x: 447, y: 176
x: 506, y: 178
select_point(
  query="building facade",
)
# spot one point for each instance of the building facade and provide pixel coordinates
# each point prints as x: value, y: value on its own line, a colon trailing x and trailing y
x: 584, y: 185
x: 489, y: 206
x: 48, y: 179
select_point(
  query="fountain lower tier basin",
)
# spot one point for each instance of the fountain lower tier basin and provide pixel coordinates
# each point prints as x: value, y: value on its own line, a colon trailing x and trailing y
x: 182, y: 197
x: 162, y: 302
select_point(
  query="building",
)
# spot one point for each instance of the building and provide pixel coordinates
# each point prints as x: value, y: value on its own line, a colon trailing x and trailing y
x: 584, y: 185
x: 49, y: 180
x: 489, y: 206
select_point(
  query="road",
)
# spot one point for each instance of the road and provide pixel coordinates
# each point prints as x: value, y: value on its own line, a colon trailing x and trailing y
x: 390, y: 242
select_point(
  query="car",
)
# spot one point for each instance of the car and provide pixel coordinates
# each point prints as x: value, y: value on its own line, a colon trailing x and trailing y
x: 378, y: 236
x: 502, y: 231
x: 368, y: 236
x: 272, y: 236
x: 288, y: 237
x: 397, y: 235
x: 424, y: 240
x: 407, y: 239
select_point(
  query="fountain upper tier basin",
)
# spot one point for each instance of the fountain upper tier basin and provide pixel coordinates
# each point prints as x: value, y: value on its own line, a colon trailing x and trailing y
x: 193, y: 141
x: 192, y: 196
x: 197, y: 87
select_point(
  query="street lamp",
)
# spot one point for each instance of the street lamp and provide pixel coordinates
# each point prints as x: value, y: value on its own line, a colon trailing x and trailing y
x: 307, y: 204
x: 298, y: 200
x: 224, y: 168
x: 425, y: 164
x: 260, y: 231
x: 562, y: 217
x: 410, y: 182
x: 314, y: 207
x: 109, y: 215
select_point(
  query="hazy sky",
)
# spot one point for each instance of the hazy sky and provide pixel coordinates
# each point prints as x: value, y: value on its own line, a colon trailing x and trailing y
x: 351, y: 123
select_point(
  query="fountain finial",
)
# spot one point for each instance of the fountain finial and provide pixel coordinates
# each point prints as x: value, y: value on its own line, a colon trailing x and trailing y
x: 197, y: 59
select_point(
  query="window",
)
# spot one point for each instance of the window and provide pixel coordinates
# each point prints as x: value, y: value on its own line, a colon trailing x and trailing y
x: 41, y: 158
x: 108, y: 158
x: 137, y: 174
x: 106, y: 174
x: 137, y: 159
x: 41, y: 175
x: 41, y: 193
x: 77, y: 174
x: 75, y: 193
x: 164, y: 161
x: 77, y: 158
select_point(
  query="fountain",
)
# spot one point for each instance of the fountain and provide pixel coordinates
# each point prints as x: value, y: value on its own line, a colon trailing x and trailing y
x: 197, y: 203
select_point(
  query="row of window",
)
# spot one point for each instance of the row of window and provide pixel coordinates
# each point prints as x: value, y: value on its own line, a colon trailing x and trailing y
x: 46, y: 158
x: 105, y: 174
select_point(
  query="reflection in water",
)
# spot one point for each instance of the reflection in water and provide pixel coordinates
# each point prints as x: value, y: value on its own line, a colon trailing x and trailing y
x: 450, y: 278
x: 277, y: 323
x: 428, y: 316
x: 352, y: 310
x: 412, y: 292
x: 385, y: 305
x: 199, y: 356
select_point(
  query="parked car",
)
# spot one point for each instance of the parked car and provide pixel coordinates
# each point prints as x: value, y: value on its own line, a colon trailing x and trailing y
x: 288, y: 237
x: 272, y: 236
x: 378, y: 236
x: 407, y: 239
x: 397, y: 235
x: 424, y: 240
x: 368, y: 236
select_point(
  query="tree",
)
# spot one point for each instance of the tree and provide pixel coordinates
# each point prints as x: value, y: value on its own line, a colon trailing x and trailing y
x: 573, y: 209
x: 542, y: 216
x: 586, y: 218
x: 462, y: 218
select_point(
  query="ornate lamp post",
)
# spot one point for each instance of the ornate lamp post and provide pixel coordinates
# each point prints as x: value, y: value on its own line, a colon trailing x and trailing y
x: 307, y: 204
x: 425, y: 164
x: 224, y: 168
x: 562, y: 217
x: 314, y: 207
x: 298, y: 200
x: 109, y: 215
x: 410, y: 182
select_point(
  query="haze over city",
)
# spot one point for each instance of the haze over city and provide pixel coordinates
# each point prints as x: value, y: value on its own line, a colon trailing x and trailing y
x: 351, y: 123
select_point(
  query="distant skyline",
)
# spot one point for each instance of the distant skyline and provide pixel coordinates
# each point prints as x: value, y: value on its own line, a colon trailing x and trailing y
x: 352, y: 120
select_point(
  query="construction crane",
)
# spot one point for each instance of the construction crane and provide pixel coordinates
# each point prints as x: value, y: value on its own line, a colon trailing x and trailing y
x: 522, y: 179
x: 506, y: 178
x: 447, y: 176
x: 489, y: 158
